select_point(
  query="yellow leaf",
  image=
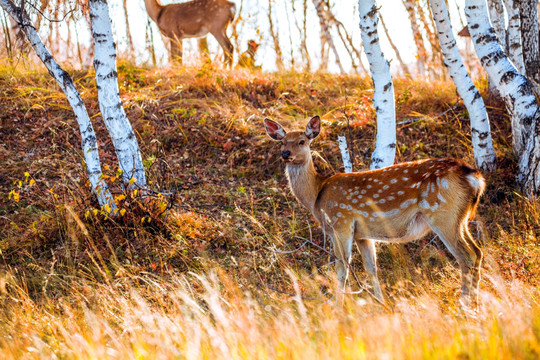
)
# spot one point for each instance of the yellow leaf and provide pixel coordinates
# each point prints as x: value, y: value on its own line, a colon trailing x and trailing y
x: 95, y: 211
x: 142, y: 220
x: 122, y: 212
x: 135, y: 192
x: 87, y: 214
x: 107, y: 208
x: 105, y: 167
x: 31, y: 182
x: 16, y: 196
x: 20, y: 183
x: 26, y: 174
x: 119, y: 197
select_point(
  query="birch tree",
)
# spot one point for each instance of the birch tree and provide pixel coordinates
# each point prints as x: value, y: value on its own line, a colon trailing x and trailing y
x: 515, y: 89
x: 88, y: 137
x: 484, y: 154
x: 515, y: 50
x: 383, y: 97
x: 528, y: 13
x: 116, y: 121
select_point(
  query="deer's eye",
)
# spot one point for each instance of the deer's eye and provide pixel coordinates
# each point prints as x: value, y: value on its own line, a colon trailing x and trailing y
x: 302, y: 142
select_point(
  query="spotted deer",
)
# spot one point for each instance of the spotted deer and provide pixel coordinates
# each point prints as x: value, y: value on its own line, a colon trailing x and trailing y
x: 398, y: 203
x: 194, y: 18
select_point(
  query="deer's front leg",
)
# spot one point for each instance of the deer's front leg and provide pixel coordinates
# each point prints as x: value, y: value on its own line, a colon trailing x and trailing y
x: 342, y: 242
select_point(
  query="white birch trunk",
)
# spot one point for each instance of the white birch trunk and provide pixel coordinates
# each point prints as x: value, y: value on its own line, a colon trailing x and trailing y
x: 496, y: 16
x: 116, y: 121
x: 514, y: 87
x: 515, y: 49
x: 383, y: 97
x: 88, y: 136
x: 342, y: 140
x: 484, y: 154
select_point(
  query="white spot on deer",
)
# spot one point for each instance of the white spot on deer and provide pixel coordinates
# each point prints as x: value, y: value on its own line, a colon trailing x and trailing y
x: 362, y: 204
x: 333, y: 188
x: 390, y: 198
x: 339, y: 214
x: 393, y: 181
x: 369, y: 186
x: 354, y: 201
x: 375, y: 196
x: 424, y: 193
x: 330, y: 205
x: 344, y: 192
x: 380, y: 191
x: 416, y: 171
x: 371, y: 219
x: 335, y: 203
x: 342, y: 206
x: 349, y: 207
x: 405, y: 179
x: 406, y: 171
x: 369, y: 179
x: 334, y: 219
x: 385, y: 187
x: 407, y: 203
x: 363, y: 192
x: 400, y: 192
x: 376, y: 180
x: 355, y: 193
x: 382, y: 201
x: 390, y: 213
x: 356, y: 188
x: 440, y: 197
x: 444, y: 183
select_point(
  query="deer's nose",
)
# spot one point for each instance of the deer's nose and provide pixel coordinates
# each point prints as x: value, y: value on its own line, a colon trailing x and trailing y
x: 285, y: 154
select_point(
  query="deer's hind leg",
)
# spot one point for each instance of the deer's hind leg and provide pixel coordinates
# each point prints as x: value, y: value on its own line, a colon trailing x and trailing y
x: 456, y: 237
x: 225, y: 44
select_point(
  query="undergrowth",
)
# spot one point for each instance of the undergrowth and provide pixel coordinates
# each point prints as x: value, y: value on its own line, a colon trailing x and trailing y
x: 204, y: 267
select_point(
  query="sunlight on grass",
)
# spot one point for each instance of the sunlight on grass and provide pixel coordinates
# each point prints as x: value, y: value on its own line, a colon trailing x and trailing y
x: 171, y: 319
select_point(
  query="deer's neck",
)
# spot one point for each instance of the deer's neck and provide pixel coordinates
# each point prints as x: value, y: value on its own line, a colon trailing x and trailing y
x: 305, y: 183
x: 153, y: 8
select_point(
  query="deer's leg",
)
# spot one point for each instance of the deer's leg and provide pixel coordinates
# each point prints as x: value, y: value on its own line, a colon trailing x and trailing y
x: 176, y: 50
x: 369, y: 258
x: 203, y: 48
x: 342, y: 241
x: 226, y: 45
x: 475, y: 276
x: 465, y: 251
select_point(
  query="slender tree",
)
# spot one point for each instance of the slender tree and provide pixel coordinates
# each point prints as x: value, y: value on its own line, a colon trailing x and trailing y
x: 324, y: 21
x: 484, y: 154
x: 88, y: 136
x: 528, y: 13
x: 116, y: 121
x: 383, y: 97
x: 515, y: 49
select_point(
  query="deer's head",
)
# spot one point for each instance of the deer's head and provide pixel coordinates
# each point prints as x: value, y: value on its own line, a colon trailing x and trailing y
x: 294, y: 144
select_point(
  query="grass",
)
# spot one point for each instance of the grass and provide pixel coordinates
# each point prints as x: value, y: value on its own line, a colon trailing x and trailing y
x: 197, y: 275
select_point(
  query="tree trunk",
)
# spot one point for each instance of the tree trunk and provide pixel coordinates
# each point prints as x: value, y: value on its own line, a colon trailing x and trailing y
x: 484, y: 154
x: 383, y: 97
x: 516, y: 90
x: 116, y: 121
x: 275, y: 37
x: 323, y: 20
x: 528, y: 13
x: 418, y: 39
x: 515, y: 49
x: 394, y: 47
x: 88, y: 136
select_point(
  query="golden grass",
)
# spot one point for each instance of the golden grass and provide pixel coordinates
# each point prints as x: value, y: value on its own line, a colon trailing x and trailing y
x: 146, y: 317
x: 203, y: 280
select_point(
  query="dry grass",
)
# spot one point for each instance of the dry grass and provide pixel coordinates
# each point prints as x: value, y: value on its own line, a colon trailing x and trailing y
x: 197, y: 275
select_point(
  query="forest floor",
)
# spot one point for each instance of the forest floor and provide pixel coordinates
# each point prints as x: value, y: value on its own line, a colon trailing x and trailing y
x: 210, y: 271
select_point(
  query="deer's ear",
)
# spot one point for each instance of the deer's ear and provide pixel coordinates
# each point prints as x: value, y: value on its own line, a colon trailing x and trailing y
x: 313, y: 127
x: 274, y: 130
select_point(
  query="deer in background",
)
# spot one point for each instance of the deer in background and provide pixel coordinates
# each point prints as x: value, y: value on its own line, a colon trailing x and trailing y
x: 194, y: 18
x: 399, y: 203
